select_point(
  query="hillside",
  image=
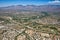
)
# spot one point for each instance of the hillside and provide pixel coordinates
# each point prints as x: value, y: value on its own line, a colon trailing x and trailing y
x: 18, y: 8
x: 30, y: 22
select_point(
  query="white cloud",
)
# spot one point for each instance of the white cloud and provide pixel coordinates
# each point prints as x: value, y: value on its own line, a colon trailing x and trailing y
x: 54, y: 2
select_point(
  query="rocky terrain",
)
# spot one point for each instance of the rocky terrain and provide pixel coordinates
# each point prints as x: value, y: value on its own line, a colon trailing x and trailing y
x: 30, y: 22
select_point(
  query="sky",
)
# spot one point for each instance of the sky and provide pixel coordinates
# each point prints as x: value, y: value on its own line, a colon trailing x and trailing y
x: 4, y: 3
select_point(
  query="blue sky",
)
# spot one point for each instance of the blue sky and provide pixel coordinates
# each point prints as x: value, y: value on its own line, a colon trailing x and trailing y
x: 22, y: 2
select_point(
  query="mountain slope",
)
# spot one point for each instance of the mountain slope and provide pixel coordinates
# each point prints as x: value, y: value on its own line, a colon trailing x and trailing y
x: 18, y: 8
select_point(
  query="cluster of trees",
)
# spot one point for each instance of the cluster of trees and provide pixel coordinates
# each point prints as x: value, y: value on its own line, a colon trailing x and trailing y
x: 26, y: 19
x: 5, y: 20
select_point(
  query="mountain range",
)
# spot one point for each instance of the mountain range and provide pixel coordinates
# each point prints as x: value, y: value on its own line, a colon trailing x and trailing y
x: 18, y: 8
x: 51, y: 6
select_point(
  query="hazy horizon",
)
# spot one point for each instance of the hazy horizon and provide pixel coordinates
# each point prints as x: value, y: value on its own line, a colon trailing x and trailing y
x: 4, y: 3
